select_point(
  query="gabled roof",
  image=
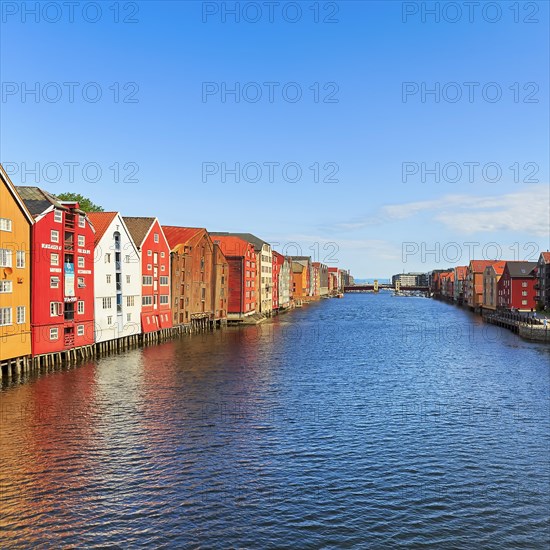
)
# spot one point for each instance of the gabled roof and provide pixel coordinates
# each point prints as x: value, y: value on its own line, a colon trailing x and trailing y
x: 249, y: 237
x: 520, y: 269
x: 16, y: 197
x: 101, y: 221
x: 297, y: 267
x: 546, y: 257
x: 37, y: 200
x: 498, y: 267
x: 180, y: 235
x: 461, y: 271
x: 231, y: 245
x: 138, y: 228
x: 478, y: 266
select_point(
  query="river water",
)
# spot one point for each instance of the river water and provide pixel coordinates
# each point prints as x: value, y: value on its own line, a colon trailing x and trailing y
x: 372, y: 422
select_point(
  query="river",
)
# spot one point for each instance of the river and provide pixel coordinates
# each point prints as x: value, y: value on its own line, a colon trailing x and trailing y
x: 372, y: 421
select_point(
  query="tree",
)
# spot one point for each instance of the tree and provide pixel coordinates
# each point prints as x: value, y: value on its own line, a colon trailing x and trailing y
x: 85, y: 203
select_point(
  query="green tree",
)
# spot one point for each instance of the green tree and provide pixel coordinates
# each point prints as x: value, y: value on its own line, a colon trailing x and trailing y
x: 85, y: 203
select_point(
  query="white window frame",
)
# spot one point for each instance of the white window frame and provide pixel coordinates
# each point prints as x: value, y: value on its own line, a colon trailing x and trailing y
x: 5, y: 225
x: 54, y: 333
x: 107, y: 303
x: 54, y: 281
x: 56, y: 309
x: 81, y: 261
x: 21, y: 314
x: 54, y: 236
x: 80, y: 330
x: 54, y: 259
x: 6, y: 286
x: 81, y: 240
x: 80, y: 307
x: 81, y: 283
x: 81, y: 221
x: 164, y: 299
x: 5, y: 316
x: 156, y: 237
x: 58, y: 216
x: 6, y: 257
x: 20, y: 259
x: 108, y: 277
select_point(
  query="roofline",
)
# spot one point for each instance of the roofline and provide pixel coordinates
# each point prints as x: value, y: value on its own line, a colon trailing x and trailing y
x: 15, y: 195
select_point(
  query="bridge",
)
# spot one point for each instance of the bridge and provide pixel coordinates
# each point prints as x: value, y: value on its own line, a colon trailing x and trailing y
x: 377, y: 287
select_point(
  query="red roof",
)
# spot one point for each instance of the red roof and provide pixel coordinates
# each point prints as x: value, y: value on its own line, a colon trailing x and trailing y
x: 101, y: 221
x: 499, y: 267
x: 546, y: 257
x: 179, y: 235
x: 461, y: 271
x: 232, y: 246
x: 478, y: 266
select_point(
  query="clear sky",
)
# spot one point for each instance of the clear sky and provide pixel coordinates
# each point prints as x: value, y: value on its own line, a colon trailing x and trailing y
x: 166, y: 132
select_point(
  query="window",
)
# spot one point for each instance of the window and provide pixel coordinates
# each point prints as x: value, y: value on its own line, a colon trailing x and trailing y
x: 156, y: 237
x: 524, y: 284
x: 54, y: 236
x: 524, y: 302
x: 162, y: 254
x: 147, y: 300
x: 5, y: 224
x: 81, y: 240
x: 127, y: 259
x: 20, y: 315
x: 80, y: 261
x: 149, y: 253
x: 149, y: 267
x: 57, y: 216
x: 163, y: 268
x: 109, y: 319
x: 107, y: 303
x: 147, y: 280
x: 20, y: 259
x: 5, y: 316
x: 108, y: 278
x: 81, y: 283
x: 128, y: 317
x: 54, y: 334
x: 130, y: 301
x: 163, y: 280
x: 5, y: 287
x: 80, y: 306
x: 108, y: 258
x: 128, y: 279
x: 80, y: 330
x: 54, y: 282
x: 5, y: 257
x: 54, y: 259
x: 524, y: 293
x: 81, y: 221
x: 56, y: 308
x: 164, y: 299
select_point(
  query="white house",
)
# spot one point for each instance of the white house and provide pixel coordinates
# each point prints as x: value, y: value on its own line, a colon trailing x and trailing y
x: 117, y: 278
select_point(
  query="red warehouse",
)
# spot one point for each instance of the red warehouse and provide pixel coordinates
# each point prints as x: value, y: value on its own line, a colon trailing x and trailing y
x: 241, y: 259
x: 154, y: 251
x: 516, y: 287
x: 277, y: 261
x: 62, y: 287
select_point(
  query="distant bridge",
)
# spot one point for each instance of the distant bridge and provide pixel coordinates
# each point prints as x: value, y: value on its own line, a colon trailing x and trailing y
x: 369, y: 288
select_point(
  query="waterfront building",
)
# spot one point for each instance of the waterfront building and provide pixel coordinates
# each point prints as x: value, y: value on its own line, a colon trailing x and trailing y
x: 221, y: 285
x: 196, y: 272
x: 447, y: 284
x: 473, y: 287
x: 542, y: 285
x: 323, y: 278
x: 264, y: 266
x: 335, y: 282
x: 62, y: 282
x: 516, y: 287
x: 285, y: 280
x: 491, y: 277
x: 117, y: 278
x: 461, y: 272
x: 307, y: 285
x: 242, y: 275
x: 15, y: 273
x: 316, y: 280
x: 277, y: 264
x: 154, y: 259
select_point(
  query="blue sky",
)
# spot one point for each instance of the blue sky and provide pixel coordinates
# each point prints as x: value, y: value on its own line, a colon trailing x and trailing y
x: 170, y: 141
